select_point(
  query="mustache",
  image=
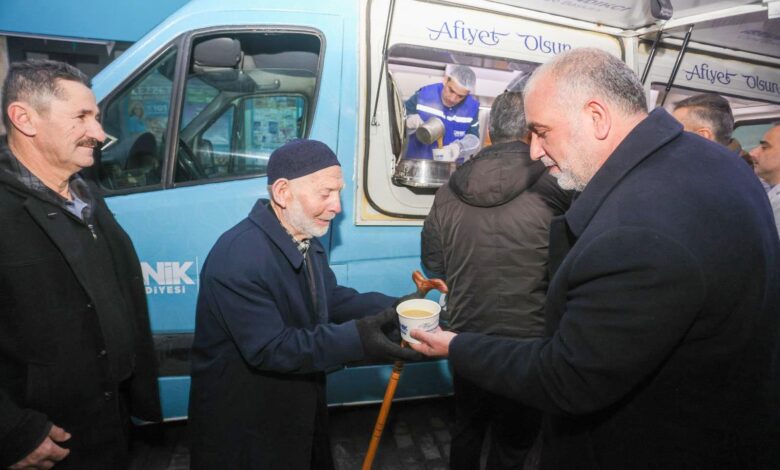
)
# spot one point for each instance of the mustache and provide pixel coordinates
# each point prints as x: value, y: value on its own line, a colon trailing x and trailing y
x: 548, y: 161
x: 89, y: 142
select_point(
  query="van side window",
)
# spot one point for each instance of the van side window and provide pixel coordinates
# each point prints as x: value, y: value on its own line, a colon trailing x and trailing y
x: 235, y: 114
x: 138, y: 118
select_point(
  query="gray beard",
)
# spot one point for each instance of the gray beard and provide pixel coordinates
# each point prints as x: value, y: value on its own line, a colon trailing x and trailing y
x: 301, y: 223
x: 567, y: 180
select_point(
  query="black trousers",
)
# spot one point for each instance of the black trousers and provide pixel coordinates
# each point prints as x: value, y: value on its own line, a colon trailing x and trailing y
x: 513, y: 428
x: 321, y: 455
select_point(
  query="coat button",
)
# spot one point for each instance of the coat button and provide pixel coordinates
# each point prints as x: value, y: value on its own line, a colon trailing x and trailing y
x: 102, y: 353
x: 89, y: 306
x: 108, y: 395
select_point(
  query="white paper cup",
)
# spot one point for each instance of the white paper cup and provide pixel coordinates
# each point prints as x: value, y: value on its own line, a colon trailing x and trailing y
x: 409, y: 323
x: 439, y: 155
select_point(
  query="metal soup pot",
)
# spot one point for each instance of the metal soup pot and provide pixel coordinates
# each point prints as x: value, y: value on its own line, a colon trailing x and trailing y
x: 423, y: 173
x: 430, y: 131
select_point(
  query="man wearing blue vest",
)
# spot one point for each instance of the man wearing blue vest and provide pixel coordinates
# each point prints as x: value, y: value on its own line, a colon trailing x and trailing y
x: 450, y: 101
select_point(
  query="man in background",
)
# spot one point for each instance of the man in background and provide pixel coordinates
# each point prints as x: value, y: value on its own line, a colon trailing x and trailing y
x: 450, y: 101
x: 710, y: 116
x: 487, y: 234
x: 766, y: 164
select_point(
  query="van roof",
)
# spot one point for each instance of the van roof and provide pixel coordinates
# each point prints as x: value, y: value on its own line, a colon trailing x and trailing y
x: 743, y: 25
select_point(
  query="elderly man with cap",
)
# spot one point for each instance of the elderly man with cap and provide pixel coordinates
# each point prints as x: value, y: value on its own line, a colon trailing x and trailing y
x: 450, y: 101
x: 271, y: 320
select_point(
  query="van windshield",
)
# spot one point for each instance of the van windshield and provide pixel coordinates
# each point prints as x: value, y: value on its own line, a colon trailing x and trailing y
x: 245, y: 94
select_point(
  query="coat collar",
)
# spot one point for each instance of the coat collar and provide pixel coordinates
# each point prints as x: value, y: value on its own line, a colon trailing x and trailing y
x: 496, y: 175
x: 17, y: 176
x: 263, y: 216
x: 655, y: 131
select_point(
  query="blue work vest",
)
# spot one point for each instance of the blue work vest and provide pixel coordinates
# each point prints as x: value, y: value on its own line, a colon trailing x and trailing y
x: 457, y: 120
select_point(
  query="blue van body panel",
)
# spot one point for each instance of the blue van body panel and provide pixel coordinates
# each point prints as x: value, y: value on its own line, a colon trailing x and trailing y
x: 417, y: 380
x: 349, y: 386
x: 183, y: 236
x: 174, y: 397
x: 174, y: 229
x: 85, y: 19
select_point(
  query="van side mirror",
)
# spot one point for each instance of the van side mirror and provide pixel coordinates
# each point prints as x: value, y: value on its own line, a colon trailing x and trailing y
x: 204, y: 151
x: 218, y: 52
x: 661, y: 9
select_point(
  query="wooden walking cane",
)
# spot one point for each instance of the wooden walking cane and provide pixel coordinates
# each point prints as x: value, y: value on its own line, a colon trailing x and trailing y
x: 423, y: 286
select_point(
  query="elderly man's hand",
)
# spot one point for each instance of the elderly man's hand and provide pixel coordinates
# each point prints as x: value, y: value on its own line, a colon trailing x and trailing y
x: 376, y: 344
x: 435, y: 343
x: 48, y: 452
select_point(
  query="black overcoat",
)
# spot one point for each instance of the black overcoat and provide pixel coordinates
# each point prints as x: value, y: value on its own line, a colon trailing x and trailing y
x: 261, y: 347
x: 52, y: 347
x: 662, y: 316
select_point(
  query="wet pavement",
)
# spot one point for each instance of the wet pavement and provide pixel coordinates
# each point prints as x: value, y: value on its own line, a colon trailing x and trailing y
x: 416, y: 437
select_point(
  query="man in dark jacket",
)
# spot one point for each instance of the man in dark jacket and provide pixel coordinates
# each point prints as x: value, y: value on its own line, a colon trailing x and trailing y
x: 710, y: 116
x: 487, y: 233
x: 271, y: 320
x: 75, y: 345
x: 662, y: 310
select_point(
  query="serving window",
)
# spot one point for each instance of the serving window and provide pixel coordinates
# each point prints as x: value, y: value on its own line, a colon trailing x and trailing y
x: 410, y: 68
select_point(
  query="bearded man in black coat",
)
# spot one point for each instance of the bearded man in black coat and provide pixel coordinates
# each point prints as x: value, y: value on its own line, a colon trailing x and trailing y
x: 76, y: 352
x: 662, y: 310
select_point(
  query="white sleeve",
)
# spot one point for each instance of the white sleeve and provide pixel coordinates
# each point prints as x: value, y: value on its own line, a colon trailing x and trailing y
x: 469, y: 145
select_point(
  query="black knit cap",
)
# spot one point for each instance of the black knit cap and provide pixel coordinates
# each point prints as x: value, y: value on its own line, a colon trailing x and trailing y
x: 299, y: 157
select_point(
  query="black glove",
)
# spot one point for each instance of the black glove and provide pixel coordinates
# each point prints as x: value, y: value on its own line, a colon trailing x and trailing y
x: 376, y: 345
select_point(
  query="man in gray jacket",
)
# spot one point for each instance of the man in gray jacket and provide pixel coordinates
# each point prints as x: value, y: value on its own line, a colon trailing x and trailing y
x: 487, y: 233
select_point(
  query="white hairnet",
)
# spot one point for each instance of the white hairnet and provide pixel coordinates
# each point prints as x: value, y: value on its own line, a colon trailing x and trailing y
x: 464, y: 76
x: 518, y: 83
